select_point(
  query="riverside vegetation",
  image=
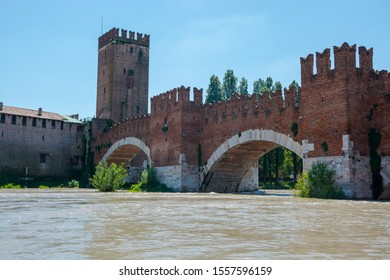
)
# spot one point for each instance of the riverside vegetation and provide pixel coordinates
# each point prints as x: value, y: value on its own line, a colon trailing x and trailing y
x: 109, y: 178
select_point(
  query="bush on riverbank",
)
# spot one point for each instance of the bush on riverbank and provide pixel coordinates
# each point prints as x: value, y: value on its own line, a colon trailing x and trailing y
x: 108, y: 178
x: 149, y: 182
x: 10, y: 186
x: 318, y: 182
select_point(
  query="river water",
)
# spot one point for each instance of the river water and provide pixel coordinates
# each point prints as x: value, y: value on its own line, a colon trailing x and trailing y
x: 85, y: 224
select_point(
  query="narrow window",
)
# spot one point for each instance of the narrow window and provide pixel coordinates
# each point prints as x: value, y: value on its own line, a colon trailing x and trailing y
x: 34, y: 122
x: 131, y: 50
x: 44, y: 123
x: 2, y: 118
x: 43, y: 137
x: 2, y: 134
x: 24, y: 120
x: 62, y: 125
x: 124, y: 70
x: 53, y: 124
x: 42, y: 158
x: 13, y: 119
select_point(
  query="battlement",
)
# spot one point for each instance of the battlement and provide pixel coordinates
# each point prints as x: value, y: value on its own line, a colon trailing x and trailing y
x: 174, y: 97
x: 344, y: 62
x: 265, y: 104
x: 126, y: 37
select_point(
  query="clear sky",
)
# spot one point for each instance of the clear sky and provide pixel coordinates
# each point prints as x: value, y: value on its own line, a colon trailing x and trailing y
x: 48, y: 49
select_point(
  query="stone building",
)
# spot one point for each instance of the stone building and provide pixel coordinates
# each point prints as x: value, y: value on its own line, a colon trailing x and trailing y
x: 36, y: 143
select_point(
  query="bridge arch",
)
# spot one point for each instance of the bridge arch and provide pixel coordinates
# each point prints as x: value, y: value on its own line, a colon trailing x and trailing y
x: 126, y: 150
x: 232, y: 160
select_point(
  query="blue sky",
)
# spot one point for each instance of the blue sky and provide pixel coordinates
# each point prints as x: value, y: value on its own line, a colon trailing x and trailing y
x: 48, y: 49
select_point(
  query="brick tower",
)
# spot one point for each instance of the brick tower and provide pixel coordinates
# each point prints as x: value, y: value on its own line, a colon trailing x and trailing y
x: 123, y: 75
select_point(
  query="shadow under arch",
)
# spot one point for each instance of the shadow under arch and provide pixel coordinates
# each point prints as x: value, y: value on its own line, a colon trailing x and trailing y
x: 232, y: 160
x: 127, y: 150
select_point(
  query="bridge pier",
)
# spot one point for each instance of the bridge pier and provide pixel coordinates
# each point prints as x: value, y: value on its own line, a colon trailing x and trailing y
x: 181, y: 178
x: 353, y: 172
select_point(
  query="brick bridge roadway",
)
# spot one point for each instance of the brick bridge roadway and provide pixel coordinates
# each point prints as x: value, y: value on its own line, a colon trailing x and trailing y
x: 202, y: 147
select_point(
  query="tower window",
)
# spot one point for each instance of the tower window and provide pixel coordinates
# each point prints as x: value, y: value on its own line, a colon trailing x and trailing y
x: 13, y: 121
x: 140, y: 54
x: 124, y: 70
x: 2, y: 118
x: 44, y: 123
x: 131, y: 50
x: 53, y: 124
x: 24, y: 120
x: 42, y: 158
x: 34, y: 122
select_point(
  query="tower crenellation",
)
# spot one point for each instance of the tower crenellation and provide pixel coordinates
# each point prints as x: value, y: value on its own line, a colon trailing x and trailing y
x: 113, y: 36
x: 365, y: 59
x: 323, y: 62
x: 344, y: 58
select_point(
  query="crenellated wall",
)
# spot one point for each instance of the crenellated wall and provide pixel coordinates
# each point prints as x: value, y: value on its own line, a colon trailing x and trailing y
x: 333, y: 111
x: 124, y: 36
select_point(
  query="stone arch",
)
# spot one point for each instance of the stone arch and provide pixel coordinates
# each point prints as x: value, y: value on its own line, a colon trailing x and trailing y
x: 226, y: 167
x: 126, y: 149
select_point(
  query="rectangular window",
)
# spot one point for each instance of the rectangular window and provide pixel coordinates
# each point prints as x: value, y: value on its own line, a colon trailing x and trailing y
x: 13, y: 119
x: 34, y: 122
x: 62, y: 125
x: 24, y: 120
x: 42, y: 158
x: 2, y: 119
x: 44, y: 123
x: 53, y: 124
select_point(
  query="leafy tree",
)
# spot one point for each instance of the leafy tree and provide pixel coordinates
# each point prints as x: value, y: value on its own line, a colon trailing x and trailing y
x: 269, y: 84
x: 214, y: 92
x: 278, y: 86
x: 229, y: 85
x: 259, y: 86
x: 108, y: 178
x: 319, y: 182
x: 243, y: 86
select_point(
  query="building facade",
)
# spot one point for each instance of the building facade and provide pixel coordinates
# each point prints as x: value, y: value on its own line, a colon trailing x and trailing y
x: 35, y: 143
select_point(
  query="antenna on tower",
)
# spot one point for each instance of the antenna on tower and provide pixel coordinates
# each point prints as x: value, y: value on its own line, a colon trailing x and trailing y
x: 101, y: 26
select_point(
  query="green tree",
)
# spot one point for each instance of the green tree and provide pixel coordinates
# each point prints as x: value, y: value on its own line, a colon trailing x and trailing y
x: 319, y: 182
x: 269, y: 84
x: 278, y: 86
x: 108, y: 178
x: 214, y: 92
x: 243, y: 86
x: 229, y: 85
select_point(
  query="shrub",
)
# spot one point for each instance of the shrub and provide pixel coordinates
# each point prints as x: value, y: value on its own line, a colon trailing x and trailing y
x: 149, y: 182
x: 318, y: 182
x: 73, y: 184
x: 108, y: 178
x: 10, y: 186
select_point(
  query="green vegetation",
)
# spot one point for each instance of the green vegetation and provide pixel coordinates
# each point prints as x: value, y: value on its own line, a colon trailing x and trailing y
x: 277, y: 185
x: 279, y: 165
x: 10, y: 186
x: 324, y: 146
x: 374, y: 140
x: 149, y: 182
x: 108, y: 178
x: 318, y: 182
x: 73, y: 184
x: 229, y: 85
x: 214, y: 92
x: 294, y: 129
x: 217, y: 91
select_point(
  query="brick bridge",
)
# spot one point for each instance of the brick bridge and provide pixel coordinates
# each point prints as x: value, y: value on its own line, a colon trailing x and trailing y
x: 203, y: 147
